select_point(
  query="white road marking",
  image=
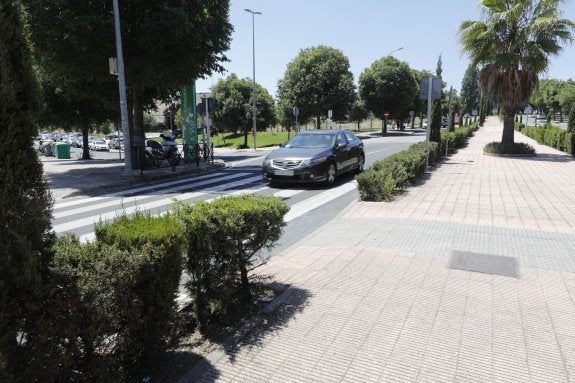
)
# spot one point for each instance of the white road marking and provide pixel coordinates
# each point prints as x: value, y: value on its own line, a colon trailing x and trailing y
x: 129, y: 200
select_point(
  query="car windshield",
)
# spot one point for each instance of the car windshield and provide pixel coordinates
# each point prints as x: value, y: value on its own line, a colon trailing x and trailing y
x: 311, y: 141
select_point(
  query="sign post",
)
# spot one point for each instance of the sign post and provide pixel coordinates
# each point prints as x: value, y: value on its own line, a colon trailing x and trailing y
x: 384, y: 124
x: 429, y: 89
x: 295, y: 113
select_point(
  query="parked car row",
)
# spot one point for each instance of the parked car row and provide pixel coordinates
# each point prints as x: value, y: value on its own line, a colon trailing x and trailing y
x: 76, y: 140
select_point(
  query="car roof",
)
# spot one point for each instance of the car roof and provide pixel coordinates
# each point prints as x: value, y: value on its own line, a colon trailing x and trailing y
x: 321, y: 131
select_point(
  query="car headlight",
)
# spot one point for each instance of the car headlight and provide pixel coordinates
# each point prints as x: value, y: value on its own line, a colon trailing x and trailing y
x: 313, y: 161
x: 267, y: 162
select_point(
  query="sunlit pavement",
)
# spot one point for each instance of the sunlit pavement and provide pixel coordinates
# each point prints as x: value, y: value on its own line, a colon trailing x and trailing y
x: 376, y: 296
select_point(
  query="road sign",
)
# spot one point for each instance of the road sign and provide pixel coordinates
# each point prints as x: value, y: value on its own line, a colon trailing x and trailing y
x: 435, y: 89
x: 295, y: 111
x: 386, y: 114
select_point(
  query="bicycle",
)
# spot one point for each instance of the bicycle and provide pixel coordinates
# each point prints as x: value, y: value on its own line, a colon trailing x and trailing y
x: 156, y: 154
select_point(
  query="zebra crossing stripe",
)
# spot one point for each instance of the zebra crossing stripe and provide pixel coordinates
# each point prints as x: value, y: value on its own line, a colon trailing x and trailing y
x: 135, y: 199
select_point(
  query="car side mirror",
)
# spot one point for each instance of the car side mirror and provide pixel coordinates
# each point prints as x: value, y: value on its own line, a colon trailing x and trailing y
x: 281, y: 145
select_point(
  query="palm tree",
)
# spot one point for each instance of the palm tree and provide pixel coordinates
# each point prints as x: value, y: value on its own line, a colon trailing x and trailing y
x: 511, y: 46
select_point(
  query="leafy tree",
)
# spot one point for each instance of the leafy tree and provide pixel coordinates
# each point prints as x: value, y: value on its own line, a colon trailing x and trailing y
x: 571, y: 121
x: 358, y: 111
x: 512, y: 45
x: 388, y: 85
x: 470, y: 92
x: 437, y: 113
x: 25, y: 204
x: 166, y: 44
x: 318, y: 80
x: 567, y: 96
x: 235, y: 106
x: 548, y: 97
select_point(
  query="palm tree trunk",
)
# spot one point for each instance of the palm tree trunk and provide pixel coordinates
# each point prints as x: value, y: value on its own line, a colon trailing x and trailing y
x: 507, y: 138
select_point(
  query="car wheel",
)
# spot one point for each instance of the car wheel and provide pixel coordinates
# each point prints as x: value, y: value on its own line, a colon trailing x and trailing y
x: 360, y: 164
x: 330, y: 175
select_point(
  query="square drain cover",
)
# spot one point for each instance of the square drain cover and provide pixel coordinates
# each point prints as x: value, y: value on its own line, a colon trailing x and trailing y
x: 484, y: 263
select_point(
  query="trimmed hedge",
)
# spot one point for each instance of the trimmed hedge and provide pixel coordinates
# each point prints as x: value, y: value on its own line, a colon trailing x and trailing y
x: 551, y: 136
x: 223, y: 240
x: 383, y: 178
x: 151, y: 305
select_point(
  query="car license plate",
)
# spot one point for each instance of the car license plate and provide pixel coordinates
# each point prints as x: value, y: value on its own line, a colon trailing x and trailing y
x: 283, y: 172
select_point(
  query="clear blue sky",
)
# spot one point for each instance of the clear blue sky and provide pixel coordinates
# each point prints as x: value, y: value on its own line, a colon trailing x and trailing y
x: 364, y: 30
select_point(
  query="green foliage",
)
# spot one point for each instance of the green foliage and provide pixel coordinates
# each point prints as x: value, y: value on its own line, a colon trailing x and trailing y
x: 388, y: 85
x: 470, y: 92
x: 317, y: 80
x: 375, y: 185
x: 436, y: 120
x: 117, y: 306
x: 159, y: 243
x: 385, y: 177
x: 552, y: 136
x: 358, y: 111
x: 512, y: 45
x: 166, y: 44
x: 516, y: 148
x: 25, y: 206
x: 224, y: 239
x: 235, y: 106
x: 482, y: 111
x: 571, y: 121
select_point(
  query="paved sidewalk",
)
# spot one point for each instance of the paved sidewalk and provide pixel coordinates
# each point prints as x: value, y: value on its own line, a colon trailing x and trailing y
x: 373, y: 297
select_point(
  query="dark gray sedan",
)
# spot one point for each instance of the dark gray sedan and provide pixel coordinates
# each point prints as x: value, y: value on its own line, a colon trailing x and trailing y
x: 315, y: 156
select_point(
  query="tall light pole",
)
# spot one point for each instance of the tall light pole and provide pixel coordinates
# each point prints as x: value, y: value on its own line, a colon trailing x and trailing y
x: 122, y: 90
x: 254, y: 68
x: 395, y: 50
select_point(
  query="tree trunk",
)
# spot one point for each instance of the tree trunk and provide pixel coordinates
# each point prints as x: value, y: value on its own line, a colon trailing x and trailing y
x: 85, y: 147
x: 507, y: 138
x: 358, y: 122
x: 384, y: 126
x: 246, y: 294
x: 318, y: 125
x: 246, y: 138
x: 137, y: 126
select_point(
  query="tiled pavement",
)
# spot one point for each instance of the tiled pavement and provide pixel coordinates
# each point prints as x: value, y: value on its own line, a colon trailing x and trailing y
x: 373, y: 299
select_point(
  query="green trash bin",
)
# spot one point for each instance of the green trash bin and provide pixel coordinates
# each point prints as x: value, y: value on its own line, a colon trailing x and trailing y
x: 62, y: 150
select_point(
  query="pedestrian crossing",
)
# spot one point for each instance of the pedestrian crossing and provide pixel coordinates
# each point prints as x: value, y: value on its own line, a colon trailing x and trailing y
x: 79, y: 215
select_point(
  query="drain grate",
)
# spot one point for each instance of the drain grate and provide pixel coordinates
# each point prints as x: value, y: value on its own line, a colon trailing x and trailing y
x: 484, y: 263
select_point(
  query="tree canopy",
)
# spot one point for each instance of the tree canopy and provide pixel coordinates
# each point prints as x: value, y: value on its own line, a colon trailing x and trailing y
x: 166, y: 45
x: 512, y: 45
x: 318, y: 80
x: 25, y: 205
x: 470, y: 92
x: 388, y: 85
x: 235, y: 106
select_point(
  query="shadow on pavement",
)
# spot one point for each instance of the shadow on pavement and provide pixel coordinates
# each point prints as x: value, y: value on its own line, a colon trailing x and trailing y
x: 251, y: 335
x: 548, y: 157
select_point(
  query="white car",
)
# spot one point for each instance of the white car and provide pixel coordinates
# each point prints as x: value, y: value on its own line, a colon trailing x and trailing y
x: 99, y: 145
x: 541, y: 119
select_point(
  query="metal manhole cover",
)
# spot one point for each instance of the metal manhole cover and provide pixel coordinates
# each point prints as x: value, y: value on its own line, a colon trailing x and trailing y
x: 484, y: 263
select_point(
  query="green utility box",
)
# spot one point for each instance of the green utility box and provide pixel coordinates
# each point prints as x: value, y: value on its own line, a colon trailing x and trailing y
x: 62, y: 150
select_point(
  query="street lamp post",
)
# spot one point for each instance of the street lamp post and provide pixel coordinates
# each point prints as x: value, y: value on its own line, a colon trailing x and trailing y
x: 122, y: 90
x: 395, y: 50
x: 254, y: 69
